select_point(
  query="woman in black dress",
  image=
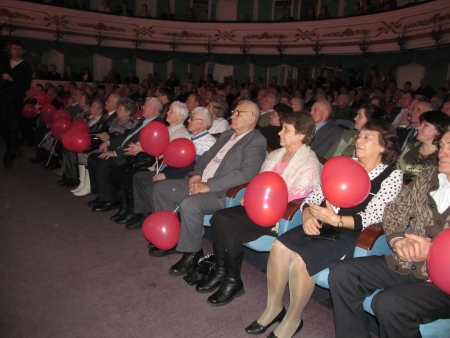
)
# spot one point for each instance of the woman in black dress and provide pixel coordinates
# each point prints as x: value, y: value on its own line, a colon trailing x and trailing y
x: 295, y: 260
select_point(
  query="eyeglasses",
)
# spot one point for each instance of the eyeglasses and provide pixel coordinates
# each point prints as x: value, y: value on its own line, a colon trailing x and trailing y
x: 195, y: 119
x: 239, y: 112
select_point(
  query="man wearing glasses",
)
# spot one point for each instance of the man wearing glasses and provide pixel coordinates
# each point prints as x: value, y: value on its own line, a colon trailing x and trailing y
x: 234, y: 159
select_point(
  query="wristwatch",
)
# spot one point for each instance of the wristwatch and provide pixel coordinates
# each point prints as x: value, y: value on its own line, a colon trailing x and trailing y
x: 340, y: 224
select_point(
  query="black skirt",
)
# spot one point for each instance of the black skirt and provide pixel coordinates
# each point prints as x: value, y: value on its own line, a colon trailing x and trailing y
x: 318, y: 254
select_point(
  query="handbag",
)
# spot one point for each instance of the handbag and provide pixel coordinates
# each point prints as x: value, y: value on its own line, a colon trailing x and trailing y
x: 95, y: 143
x: 140, y: 161
x: 200, y: 270
x: 327, y: 232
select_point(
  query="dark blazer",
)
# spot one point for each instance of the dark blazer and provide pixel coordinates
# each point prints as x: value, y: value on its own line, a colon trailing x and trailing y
x: 393, y: 114
x: 325, y: 138
x: 241, y: 163
x: 71, y: 77
x: 115, y: 143
x: 21, y: 75
x: 103, y: 124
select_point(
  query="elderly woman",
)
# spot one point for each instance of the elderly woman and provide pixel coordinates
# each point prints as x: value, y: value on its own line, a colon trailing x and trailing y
x: 218, y: 107
x: 122, y: 123
x: 271, y: 131
x: 422, y: 152
x: 345, y: 146
x: 295, y: 260
x: 299, y: 167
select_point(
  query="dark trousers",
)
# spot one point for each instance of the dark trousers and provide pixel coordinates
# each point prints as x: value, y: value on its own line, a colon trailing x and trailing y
x: 100, y: 176
x: 232, y: 228
x: 10, y: 111
x: 404, y: 304
x: 70, y: 164
x: 143, y: 186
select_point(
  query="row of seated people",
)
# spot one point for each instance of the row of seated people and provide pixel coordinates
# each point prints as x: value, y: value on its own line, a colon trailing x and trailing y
x: 203, y: 192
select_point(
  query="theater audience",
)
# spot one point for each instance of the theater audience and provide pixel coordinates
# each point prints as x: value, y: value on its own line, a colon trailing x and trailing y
x: 271, y: 132
x: 299, y: 167
x: 295, y: 260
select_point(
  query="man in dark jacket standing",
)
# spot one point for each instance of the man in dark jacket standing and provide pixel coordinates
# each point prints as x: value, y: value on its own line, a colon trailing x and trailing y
x: 16, y: 80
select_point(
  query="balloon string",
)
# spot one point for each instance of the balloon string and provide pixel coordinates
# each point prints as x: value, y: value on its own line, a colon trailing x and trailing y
x: 51, y: 154
x: 157, y: 166
x: 178, y: 207
x: 46, y: 136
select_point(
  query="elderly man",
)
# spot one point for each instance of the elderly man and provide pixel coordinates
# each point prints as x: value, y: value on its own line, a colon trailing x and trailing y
x: 100, y: 165
x: 144, y: 182
x: 416, y: 109
x: 411, y: 222
x: 193, y: 101
x: 399, y: 115
x: 344, y: 111
x: 235, y: 159
x: 297, y: 104
x: 327, y: 132
x: 266, y: 104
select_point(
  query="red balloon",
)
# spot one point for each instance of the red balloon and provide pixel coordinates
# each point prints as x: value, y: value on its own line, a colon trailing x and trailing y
x: 47, y: 112
x: 162, y: 229
x: 345, y: 183
x: 139, y: 114
x: 62, y: 113
x: 154, y: 138
x: 60, y: 127
x: 81, y: 125
x: 266, y: 198
x: 44, y: 98
x: 76, y: 140
x: 29, y: 110
x: 438, y: 261
x: 179, y: 153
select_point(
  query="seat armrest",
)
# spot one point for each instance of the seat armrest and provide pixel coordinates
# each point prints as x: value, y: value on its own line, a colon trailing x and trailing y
x: 369, y: 236
x: 232, y: 192
x: 292, y: 207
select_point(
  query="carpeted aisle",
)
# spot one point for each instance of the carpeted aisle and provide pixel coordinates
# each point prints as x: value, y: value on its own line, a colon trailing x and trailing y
x: 68, y: 272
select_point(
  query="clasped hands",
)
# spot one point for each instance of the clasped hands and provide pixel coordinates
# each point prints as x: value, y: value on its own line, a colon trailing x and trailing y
x: 196, y: 186
x: 133, y: 149
x: 315, y: 214
x: 411, y: 248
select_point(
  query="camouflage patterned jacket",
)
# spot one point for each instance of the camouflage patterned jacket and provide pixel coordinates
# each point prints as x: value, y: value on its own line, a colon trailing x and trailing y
x: 416, y: 209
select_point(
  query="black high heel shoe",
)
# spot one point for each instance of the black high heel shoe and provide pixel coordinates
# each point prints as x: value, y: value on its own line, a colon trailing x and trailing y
x: 256, y: 328
x: 300, y: 326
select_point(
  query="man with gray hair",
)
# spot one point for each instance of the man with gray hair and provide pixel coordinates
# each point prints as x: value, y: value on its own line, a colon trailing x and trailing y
x: 266, y: 104
x: 297, y: 104
x: 234, y: 159
x: 144, y: 182
x: 327, y: 132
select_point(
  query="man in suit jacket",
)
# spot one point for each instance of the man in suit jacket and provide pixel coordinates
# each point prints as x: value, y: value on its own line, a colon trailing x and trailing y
x: 267, y: 103
x: 234, y: 159
x: 327, y: 132
x: 100, y: 165
x: 16, y: 80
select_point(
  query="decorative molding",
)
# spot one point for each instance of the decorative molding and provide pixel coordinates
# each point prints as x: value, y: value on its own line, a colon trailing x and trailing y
x: 391, y: 27
x: 266, y: 36
x: 225, y: 35
x: 310, y: 35
x: 11, y: 15
x: 347, y: 32
x: 144, y: 31
x: 434, y: 20
x: 56, y: 20
x: 185, y: 34
x: 101, y: 27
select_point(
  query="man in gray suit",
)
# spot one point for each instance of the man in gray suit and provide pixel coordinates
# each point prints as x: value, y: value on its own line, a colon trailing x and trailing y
x: 235, y: 159
x: 327, y: 132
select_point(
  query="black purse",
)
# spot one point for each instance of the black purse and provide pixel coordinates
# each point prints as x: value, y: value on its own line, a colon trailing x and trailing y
x: 200, y: 270
x: 141, y: 161
x: 95, y: 143
x: 327, y: 232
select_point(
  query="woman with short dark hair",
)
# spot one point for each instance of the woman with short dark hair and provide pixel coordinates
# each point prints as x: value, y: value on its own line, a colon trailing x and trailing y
x: 295, y: 260
x: 298, y: 166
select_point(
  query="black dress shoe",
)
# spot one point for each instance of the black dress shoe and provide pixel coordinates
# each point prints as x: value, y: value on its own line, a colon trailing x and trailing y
x: 155, y: 252
x: 182, y: 266
x: 300, y: 326
x: 127, y: 217
x: 135, y: 224
x: 105, y: 206
x: 70, y: 183
x: 94, y: 203
x: 256, y: 328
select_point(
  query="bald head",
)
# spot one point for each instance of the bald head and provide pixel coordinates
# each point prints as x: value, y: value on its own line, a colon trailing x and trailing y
x: 111, y: 102
x: 245, y: 117
x: 321, y: 111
